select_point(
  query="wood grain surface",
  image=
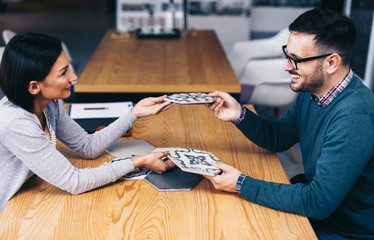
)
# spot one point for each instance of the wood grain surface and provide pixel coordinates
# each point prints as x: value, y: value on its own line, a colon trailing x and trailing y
x: 136, y: 210
x: 196, y: 63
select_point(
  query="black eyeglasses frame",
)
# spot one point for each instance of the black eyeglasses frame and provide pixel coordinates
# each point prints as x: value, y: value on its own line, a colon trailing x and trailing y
x: 296, y: 61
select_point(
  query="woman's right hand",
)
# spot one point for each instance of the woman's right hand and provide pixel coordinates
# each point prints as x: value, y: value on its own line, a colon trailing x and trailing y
x: 151, y: 106
x: 156, y: 161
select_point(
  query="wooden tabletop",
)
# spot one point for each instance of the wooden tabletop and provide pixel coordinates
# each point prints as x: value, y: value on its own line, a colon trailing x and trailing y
x: 136, y: 210
x: 196, y: 63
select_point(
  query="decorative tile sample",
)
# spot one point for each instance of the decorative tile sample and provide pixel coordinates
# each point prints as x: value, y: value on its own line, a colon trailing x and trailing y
x: 190, y: 98
x: 194, y: 161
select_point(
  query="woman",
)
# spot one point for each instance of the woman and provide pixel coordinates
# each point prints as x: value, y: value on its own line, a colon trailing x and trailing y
x: 34, y: 74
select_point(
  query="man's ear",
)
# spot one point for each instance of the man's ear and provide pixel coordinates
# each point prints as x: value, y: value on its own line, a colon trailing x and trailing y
x: 334, y: 61
x: 34, y: 87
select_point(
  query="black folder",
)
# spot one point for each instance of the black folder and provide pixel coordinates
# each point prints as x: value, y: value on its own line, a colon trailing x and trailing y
x: 173, y: 180
x: 93, y: 124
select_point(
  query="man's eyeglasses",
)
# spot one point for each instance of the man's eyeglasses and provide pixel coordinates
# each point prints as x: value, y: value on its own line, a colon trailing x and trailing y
x: 294, y: 62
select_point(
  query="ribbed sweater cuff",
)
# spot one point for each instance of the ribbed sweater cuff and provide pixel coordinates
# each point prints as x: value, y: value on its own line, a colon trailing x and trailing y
x: 249, y: 189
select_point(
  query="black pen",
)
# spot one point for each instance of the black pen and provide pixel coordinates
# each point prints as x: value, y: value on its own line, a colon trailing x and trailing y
x: 96, y: 108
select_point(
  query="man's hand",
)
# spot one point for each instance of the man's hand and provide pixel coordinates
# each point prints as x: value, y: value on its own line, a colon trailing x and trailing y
x: 151, y: 106
x: 225, y: 108
x: 226, y: 181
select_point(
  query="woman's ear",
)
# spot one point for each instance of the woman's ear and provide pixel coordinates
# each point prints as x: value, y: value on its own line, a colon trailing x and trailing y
x: 34, y: 88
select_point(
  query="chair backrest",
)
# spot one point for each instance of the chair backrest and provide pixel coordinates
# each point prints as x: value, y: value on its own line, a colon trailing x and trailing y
x: 1, y: 55
x: 273, y: 94
x: 66, y: 51
x: 7, y: 35
x: 270, y: 81
x: 259, y: 63
x: 2, y: 48
x: 242, y: 52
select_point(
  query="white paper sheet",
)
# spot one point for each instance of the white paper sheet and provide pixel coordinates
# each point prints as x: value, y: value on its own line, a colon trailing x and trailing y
x: 99, y: 110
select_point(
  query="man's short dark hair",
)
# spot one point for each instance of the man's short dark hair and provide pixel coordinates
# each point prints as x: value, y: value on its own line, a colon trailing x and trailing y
x: 27, y: 57
x: 334, y: 32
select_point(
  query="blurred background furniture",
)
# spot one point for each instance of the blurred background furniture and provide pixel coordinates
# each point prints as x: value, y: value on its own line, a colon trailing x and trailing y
x: 244, y: 51
x: 265, y: 83
x: 258, y: 64
x: 7, y: 35
x: 1, y: 52
x: 1, y: 55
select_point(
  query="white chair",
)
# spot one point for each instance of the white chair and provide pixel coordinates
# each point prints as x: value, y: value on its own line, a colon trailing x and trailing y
x: 1, y: 55
x: 2, y: 48
x: 8, y: 34
x: 270, y: 83
x: 259, y: 63
x: 243, y: 52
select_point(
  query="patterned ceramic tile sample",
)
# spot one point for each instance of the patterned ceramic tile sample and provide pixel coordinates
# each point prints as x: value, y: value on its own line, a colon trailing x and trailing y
x: 190, y: 98
x: 194, y: 161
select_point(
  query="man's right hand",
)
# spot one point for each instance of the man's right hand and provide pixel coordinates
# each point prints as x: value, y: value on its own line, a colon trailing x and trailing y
x: 225, y: 108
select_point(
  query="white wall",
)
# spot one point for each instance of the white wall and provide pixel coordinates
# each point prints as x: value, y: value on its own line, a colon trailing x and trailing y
x: 232, y: 29
x: 369, y: 72
x: 229, y: 29
x: 273, y: 19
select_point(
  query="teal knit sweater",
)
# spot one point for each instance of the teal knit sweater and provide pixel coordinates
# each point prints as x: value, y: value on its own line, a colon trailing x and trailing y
x: 337, y: 146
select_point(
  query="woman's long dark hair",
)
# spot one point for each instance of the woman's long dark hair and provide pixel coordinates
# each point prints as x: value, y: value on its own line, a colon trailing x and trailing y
x: 27, y: 57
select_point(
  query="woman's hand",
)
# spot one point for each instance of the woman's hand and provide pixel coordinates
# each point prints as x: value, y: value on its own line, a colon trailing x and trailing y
x: 225, y: 108
x: 156, y: 161
x: 227, y: 180
x: 151, y: 106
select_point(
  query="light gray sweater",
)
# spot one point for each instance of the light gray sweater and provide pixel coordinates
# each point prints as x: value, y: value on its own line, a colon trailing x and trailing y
x: 25, y: 151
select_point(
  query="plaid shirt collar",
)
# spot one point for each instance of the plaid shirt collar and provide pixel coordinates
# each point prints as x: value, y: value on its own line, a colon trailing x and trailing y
x: 328, y: 97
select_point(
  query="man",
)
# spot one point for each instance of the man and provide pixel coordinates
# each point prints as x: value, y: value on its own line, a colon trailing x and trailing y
x: 332, y: 118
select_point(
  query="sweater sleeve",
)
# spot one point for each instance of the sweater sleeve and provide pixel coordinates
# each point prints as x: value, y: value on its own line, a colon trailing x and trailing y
x: 89, y: 145
x: 25, y: 139
x: 273, y: 135
x: 337, y: 170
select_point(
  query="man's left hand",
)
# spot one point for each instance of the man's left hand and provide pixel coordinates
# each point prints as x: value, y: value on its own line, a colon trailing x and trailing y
x: 226, y: 181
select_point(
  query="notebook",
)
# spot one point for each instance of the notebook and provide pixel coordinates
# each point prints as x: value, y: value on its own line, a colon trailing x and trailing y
x: 130, y: 148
